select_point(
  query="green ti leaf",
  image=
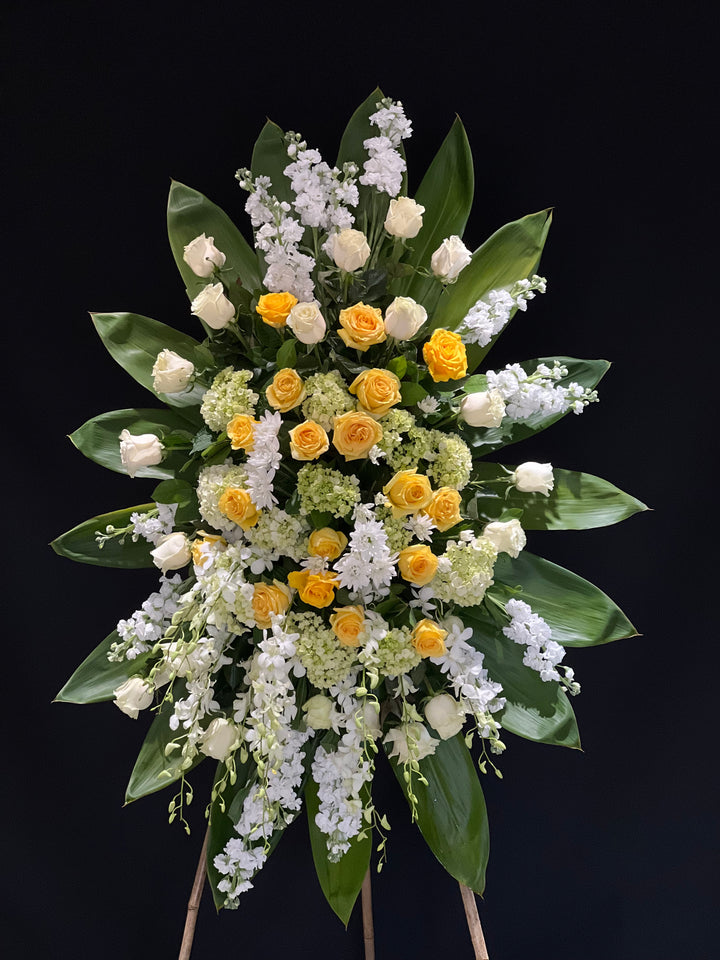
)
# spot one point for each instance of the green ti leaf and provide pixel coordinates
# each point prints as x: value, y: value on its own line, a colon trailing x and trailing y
x: 80, y: 544
x: 97, y: 677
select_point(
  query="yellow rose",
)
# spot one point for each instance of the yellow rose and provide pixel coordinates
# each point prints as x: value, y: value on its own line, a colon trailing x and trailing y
x: 269, y: 598
x: 286, y: 391
x: 240, y: 430
x: 362, y: 326
x: 354, y: 434
x: 377, y: 391
x: 274, y: 308
x: 444, y: 508
x: 327, y: 543
x: 418, y: 564
x: 315, y: 589
x: 445, y: 356
x: 347, y: 624
x: 199, y: 556
x: 408, y: 492
x: 428, y: 638
x: 238, y: 507
x: 308, y: 441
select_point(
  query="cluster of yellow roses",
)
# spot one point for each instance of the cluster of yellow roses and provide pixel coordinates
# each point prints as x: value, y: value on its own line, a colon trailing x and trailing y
x: 362, y: 326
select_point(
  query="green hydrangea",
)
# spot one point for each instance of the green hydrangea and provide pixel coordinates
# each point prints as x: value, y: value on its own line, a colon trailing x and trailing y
x: 398, y: 536
x: 327, y: 397
x: 419, y: 444
x: 228, y: 396
x: 325, y: 659
x: 280, y: 534
x: 324, y: 489
x: 464, y: 571
x: 395, y: 653
x: 452, y: 464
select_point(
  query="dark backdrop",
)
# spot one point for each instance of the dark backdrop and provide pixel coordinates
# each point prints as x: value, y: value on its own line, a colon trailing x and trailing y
x: 602, y: 111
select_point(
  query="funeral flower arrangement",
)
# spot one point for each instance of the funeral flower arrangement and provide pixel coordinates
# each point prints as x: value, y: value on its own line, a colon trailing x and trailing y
x: 342, y: 561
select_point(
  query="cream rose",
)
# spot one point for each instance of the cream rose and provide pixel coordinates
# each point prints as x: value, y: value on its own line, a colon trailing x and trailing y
x: 404, y: 218
x: 171, y: 372
x: 318, y: 712
x: 307, y: 323
x: 483, y: 409
x: 349, y: 249
x: 404, y: 317
x: 534, y: 477
x: 420, y: 744
x: 449, y: 259
x: 202, y: 256
x: 139, y: 450
x: 212, y: 306
x: 172, y: 552
x: 445, y: 715
x: 220, y: 739
x: 133, y: 695
x: 508, y: 536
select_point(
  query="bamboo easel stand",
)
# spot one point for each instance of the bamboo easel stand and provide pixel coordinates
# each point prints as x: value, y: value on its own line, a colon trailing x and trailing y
x: 368, y: 928
x: 194, y: 903
x: 473, y: 922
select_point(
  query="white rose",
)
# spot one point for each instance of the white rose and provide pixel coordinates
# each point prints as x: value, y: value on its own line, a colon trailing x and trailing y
x: 172, y: 552
x: 404, y: 317
x: 423, y: 744
x: 371, y: 719
x: 404, y: 218
x: 534, y: 477
x: 202, y: 256
x: 307, y: 323
x: 445, y: 715
x: 219, y: 739
x: 483, y: 409
x: 349, y: 249
x: 171, y: 372
x: 212, y: 306
x: 139, y: 450
x: 318, y: 712
x: 449, y: 259
x: 508, y: 537
x: 133, y: 696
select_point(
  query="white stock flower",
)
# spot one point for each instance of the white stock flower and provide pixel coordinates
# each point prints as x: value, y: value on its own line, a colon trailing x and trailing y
x: 318, y: 712
x: 172, y: 552
x: 171, y: 372
x: 349, y: 249
x: 445, y: 715
x: 508, y: 536
x: 404, y: 218
x: 404, y: 317
x: 483, y: 409
x: 139, y: 450
x: 212, y: 306
x: 132, y: 696
x: 219, y: 739
x: 202, y: 256
x: 449, y: 259
x: 410, y: 741
x: 307, y: 323
x: 532, y: 477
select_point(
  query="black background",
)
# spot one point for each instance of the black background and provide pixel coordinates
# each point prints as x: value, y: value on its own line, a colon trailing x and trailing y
x: 604, y: 112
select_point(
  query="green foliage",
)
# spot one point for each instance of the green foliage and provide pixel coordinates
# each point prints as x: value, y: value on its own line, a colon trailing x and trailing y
x: 135, y: 341
x: 578, y: 501
x: 536, y: 709
x: 80, y: 543
x: 341, y: 881
x: 451, y: 811
x: 97, y: 677
x: 578, y: 613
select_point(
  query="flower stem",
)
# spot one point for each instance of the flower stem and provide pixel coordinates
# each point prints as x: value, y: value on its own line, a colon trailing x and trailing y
x: 473, y: 922
x: 194, y: 903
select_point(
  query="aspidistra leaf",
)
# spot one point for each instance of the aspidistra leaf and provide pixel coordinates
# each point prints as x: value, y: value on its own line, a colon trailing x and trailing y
x: 80, y: 543
x: 97, y: 677
x: 451, y: 811
x: 578, y: 613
